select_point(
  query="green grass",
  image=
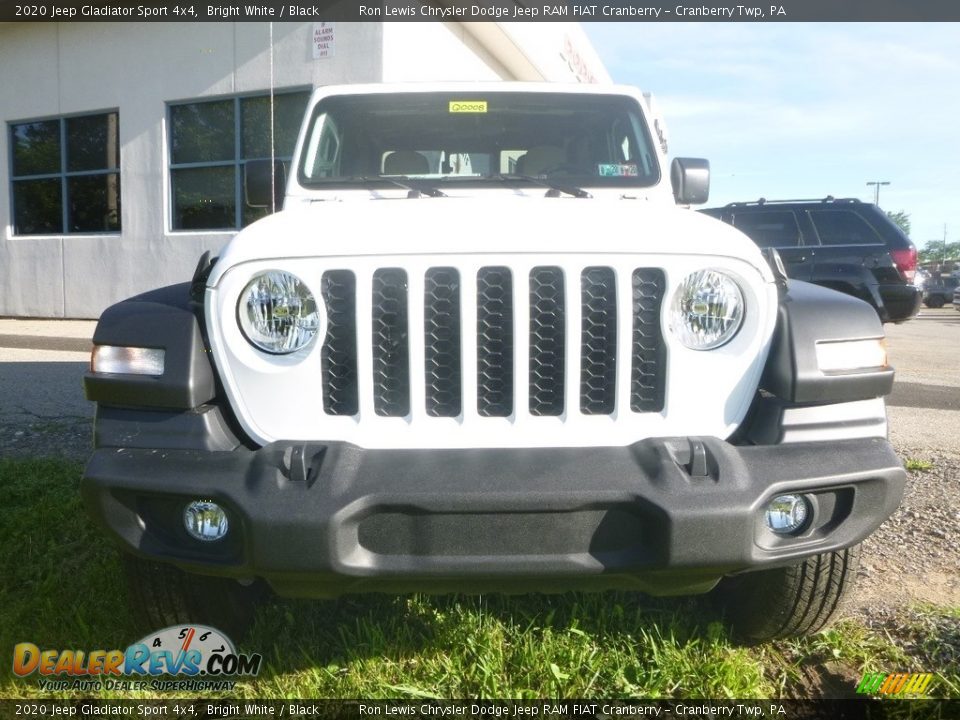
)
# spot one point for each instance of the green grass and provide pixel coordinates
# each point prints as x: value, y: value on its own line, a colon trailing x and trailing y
x: 918, y: 465
x: 63, y: 589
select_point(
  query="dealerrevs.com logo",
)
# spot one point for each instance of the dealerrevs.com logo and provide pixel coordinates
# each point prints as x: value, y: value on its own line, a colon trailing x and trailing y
x: 191, y: 652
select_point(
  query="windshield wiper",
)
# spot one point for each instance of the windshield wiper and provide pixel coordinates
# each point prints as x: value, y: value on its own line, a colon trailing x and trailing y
x: 554, y: 188
x: 415, y: 187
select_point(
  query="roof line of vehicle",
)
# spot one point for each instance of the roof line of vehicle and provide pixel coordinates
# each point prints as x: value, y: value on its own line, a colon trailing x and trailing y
x: 478, y: 86
x: 825, y: 200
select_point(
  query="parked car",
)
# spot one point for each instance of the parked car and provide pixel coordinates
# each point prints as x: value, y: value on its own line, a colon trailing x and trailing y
x: 844, y: 244
x: 937, y: 292
x: 956, y: 298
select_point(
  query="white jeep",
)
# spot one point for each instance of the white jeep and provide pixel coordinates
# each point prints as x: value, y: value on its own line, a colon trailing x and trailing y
x: 482, y: 348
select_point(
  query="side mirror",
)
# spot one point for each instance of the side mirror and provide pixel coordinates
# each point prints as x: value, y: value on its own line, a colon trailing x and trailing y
x: 690, y: 178
x: 260, y: 177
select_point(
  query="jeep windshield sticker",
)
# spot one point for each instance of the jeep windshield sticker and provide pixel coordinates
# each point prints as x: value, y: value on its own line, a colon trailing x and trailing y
x: 617, y: 170
x: 468, y: 106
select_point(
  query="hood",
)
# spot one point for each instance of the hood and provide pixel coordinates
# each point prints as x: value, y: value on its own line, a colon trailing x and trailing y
x: 499, y: 224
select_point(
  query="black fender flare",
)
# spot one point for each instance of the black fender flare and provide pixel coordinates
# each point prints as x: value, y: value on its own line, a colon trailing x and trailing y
x: 809, y: 314
x: 165, y: 319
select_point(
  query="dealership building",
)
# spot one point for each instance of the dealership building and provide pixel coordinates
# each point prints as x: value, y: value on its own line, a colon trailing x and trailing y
x: 124, y: 144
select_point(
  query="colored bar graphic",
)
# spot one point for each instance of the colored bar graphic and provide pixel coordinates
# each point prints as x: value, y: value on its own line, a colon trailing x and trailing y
x: 894, y: 683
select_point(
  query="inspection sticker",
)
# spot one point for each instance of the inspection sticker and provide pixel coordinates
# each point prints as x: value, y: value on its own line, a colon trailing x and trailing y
x: 617, y: 170
x: 468, y: 106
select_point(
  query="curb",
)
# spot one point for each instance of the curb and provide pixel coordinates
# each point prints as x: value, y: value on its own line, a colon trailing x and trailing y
x: 43, y: 342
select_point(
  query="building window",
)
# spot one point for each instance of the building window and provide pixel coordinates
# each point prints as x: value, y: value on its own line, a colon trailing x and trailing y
x: 66, y: 175
x: 209, y: 143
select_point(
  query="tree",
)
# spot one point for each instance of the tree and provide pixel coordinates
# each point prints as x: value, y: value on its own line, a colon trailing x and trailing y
x: 901, y: 219
x: 937, y: 251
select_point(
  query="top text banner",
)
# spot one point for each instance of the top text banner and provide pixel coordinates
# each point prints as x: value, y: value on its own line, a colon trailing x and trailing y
x: 479, y: 11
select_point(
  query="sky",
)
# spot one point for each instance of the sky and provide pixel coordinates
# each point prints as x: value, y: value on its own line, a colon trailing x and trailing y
x: 806, y: 110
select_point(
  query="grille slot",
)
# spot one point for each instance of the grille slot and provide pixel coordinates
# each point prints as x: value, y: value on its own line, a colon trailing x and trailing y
x: 442, y: 342
x: 494, y: 342
x: 547, y: 341
x: 391, y: 343
x: 648, y: 374
x: 338, y: 363
x: 598, y: 341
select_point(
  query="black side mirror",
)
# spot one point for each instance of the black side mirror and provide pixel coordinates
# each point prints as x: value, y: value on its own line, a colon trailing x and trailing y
x: 690, y: 178
x: 264, y: 183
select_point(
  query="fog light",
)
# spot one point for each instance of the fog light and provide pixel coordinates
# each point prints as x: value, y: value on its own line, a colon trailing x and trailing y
x: 205, y: 520
x: 787, y: 513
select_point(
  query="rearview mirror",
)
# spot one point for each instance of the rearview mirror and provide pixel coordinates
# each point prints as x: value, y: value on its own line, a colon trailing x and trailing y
x: 264, y: 183
x: 690, y: 178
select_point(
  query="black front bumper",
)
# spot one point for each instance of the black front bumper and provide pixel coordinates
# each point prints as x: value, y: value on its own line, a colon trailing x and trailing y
x: 665, y: 516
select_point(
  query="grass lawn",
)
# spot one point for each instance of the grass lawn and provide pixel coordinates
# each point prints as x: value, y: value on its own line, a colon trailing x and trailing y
x: 62, y: 589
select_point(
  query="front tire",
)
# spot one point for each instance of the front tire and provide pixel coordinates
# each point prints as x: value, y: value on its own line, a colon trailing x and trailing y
x: 934, y: 302
x: 787, y: 602
x: 162, y: 595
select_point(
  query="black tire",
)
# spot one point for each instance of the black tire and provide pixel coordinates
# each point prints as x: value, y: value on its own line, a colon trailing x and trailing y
x: 787, y: 602
x: 162, y: 595
x: 934, y: 302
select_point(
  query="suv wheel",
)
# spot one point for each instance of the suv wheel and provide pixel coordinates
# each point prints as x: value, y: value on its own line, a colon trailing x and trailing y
x: 791, y: 601
x: 935, y: 301
x: 164, y: 595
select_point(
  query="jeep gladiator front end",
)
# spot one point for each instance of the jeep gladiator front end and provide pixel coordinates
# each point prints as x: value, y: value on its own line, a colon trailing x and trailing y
x: 480, y: 348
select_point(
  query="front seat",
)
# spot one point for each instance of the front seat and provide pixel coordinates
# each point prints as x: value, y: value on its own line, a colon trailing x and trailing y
x: 540, y: 159
x: 405, y: 162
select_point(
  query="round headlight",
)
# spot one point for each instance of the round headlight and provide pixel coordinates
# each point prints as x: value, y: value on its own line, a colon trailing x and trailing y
x: 707, y: 310
x: 278, y: 313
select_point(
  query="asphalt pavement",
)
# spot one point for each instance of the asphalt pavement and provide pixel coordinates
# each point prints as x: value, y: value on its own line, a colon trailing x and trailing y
x: 924, y: 409
x: 41, y: 370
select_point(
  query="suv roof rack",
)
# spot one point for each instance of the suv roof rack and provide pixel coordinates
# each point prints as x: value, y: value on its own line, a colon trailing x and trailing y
x: 764, y: 201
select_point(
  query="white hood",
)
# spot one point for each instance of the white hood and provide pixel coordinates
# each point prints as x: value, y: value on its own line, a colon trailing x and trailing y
x: 494, y: 222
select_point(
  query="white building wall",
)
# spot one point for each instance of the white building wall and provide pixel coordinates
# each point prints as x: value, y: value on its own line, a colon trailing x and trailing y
x: 560, y: 51
x: 415, y: 51
x: 49, y: 70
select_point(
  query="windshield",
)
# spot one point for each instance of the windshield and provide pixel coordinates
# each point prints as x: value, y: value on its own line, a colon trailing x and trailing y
x: 478, y: 138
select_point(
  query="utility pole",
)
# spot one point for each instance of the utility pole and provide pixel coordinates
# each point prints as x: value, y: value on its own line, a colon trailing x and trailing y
x: 876, y: 194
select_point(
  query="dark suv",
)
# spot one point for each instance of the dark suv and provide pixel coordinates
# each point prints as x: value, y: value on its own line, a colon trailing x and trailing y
x: 846, y: 244
x: 938, y: 291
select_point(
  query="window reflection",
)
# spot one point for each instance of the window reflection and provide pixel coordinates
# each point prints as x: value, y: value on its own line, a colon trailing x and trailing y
x: 94, y: 203
x: 203, y: 198
x: 36, y: 148
x: 37, y: 207
x: 92, y: 143
x: 66, y: 175
x: 209, y: 143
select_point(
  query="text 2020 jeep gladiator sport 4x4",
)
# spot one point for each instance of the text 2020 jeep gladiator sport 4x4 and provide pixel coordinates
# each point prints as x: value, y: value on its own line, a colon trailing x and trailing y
x: 481, y: 349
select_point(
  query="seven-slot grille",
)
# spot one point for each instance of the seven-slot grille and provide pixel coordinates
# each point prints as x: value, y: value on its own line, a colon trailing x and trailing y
x: 494, y: 308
